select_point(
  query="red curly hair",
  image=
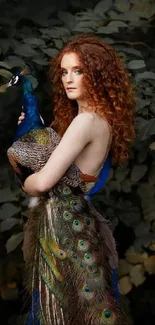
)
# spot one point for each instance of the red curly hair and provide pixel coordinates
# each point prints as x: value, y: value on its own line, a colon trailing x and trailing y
x: 109, y: 91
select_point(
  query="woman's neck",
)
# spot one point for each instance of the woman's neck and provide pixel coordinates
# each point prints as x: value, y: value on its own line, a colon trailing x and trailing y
x: 82, y: 105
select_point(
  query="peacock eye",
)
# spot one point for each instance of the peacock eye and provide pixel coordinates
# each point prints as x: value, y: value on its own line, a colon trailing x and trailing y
x: 76, y: 205
x: 107, y: 313
x: 108, y: 317
x: 67, y: 215
x: 56, y: 202
x: 83, y: 245
x: 89, y: 259
x: 86, y: 289
x: 77, y: 225
x: 66, y: 190
x: 89, y: 222
x: 87, y: 293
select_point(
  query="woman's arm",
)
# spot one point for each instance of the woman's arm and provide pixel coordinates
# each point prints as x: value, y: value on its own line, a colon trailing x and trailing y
x: 76, y: 137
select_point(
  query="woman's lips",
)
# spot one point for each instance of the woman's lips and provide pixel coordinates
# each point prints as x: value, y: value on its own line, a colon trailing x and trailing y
x: 70, y: 89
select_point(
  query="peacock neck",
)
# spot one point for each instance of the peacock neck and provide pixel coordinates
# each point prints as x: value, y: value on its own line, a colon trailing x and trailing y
x: 32, y: 120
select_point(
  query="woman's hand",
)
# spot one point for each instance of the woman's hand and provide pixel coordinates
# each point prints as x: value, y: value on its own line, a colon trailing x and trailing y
x: 21, y: 118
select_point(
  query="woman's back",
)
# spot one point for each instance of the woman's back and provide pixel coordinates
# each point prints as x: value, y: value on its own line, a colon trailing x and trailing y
x: 94, y: 154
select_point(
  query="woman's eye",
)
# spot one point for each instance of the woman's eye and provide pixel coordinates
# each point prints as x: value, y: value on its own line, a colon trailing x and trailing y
x: 78, y: 71
x: 63, y: 73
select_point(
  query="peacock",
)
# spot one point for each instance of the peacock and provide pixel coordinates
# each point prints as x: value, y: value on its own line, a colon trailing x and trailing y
x: 69, y: 250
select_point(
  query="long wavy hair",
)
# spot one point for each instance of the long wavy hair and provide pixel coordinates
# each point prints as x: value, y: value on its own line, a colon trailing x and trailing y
x: 109, y: 91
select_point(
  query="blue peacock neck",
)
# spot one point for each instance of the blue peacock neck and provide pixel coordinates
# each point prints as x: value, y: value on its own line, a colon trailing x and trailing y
x: 32, y: 120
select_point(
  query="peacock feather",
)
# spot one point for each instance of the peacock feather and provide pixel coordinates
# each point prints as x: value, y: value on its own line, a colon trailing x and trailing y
x: 68, y: 247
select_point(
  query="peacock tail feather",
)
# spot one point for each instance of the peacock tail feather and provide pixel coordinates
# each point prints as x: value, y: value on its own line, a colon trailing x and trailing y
x: 71, y: 266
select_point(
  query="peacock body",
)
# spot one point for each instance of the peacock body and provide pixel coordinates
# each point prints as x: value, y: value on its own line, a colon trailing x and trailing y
x: 68, y: 247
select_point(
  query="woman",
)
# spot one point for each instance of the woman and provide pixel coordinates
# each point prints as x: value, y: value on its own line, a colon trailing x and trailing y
x: 93, y: 112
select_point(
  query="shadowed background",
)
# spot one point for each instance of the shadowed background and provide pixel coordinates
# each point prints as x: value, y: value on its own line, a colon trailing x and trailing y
x: 32, y: 32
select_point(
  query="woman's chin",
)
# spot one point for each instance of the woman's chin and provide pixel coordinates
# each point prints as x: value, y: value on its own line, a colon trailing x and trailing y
x: 72, y: 97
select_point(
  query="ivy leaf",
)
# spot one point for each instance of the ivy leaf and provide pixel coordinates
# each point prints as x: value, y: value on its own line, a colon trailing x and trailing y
x: 55, y: 32
x: 58, y: 43
x: 127, y: 185
x: 138, y: 172
x: 148, y: 205
x: 15, y: 61
x: 145, y: 191
x: 5, y: 44
x: 128, y: 50
x: 33, y: 80
x: 136, y: 64
x: 145, y: 128
x: 88, y: 23
x: 109, y: 40
x: 121, y: 174
x: 142, y: 155
x: 142, y: 229
x: 107, y: 30
x: 8, y: 224
x: 34, y: 40
x: 117, y: 23
x: 67, y: 18
x: 114, y: 186
x: 14, y: 241
x: 40, y: 61
x: 50, y: 52
x: 142, y: 103
x: 122, y: 5
x: 145, y: 75
x: 5, y: 73
x: 103, y: 6
x: 152, y: 146
x: 83, y: 29
x: 25, y: 50
x: 130, y: 16
x: 88, y: 15
x: 5, y: 65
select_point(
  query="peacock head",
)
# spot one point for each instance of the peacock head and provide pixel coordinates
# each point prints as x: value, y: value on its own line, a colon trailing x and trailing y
x: 14, y: 81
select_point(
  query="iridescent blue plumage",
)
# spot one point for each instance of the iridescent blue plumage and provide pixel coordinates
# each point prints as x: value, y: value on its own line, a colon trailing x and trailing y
x: 32, y: 120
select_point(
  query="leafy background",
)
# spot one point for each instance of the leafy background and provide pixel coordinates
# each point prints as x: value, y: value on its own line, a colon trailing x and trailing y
x: 34, y: 32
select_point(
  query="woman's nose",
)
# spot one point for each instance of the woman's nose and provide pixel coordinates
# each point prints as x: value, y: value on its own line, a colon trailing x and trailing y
x: 69, y: 78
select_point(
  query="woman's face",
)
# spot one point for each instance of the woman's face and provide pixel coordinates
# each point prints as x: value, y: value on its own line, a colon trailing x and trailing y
x: 72, y: 75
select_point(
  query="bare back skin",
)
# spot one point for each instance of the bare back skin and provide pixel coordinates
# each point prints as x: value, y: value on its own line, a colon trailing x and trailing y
x: 94, y: 154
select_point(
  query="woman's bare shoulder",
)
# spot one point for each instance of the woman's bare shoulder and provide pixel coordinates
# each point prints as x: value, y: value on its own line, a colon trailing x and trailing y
x: 100, y: 124
x: 97, y: 124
